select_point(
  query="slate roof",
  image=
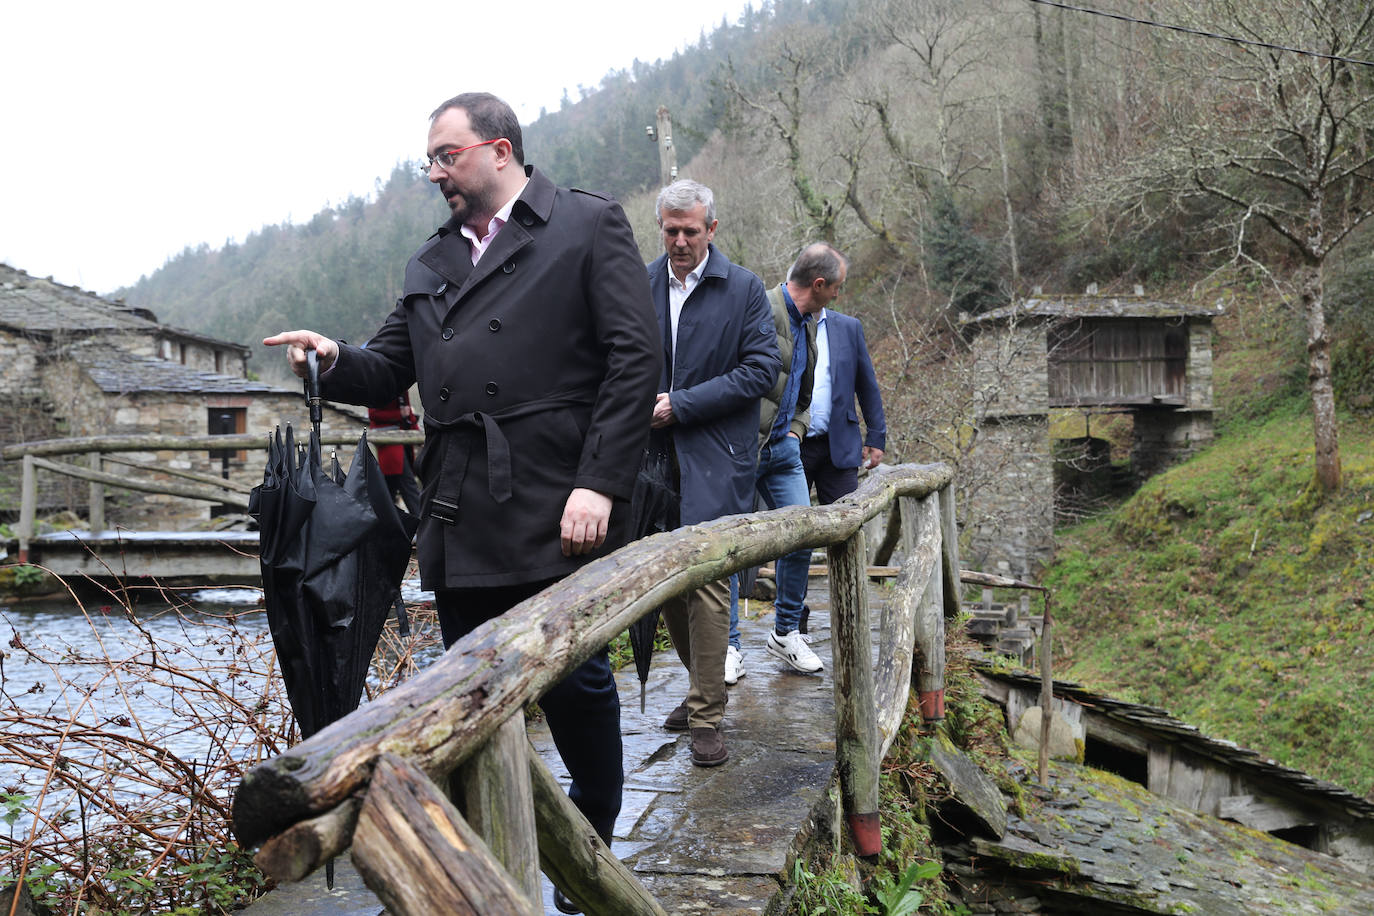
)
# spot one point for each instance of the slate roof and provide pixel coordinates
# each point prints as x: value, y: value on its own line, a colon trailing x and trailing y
x: 1160, y: 722
x: 1091, y: 307
x: 34, y: 306
x: 1091, y: 843
x: 118, y: 371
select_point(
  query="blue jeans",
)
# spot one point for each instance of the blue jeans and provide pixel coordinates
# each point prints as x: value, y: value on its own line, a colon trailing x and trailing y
x: 781, y: 481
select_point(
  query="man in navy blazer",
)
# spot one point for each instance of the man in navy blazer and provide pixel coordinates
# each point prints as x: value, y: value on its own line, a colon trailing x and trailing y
x: 834, y: 449
x: 720, y: 356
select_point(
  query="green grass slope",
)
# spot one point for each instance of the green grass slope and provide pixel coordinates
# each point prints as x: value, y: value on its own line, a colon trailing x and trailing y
x: 1227, y: 591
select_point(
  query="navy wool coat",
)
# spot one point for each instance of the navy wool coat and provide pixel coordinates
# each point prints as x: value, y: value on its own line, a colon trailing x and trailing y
x: 537, y: 370
x: 727, y: 359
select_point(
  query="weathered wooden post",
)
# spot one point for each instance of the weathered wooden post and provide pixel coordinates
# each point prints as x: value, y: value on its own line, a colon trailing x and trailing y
x: 418, y: 855
x: 576, y: 860
x: 492, y: 787
x: 28, y: 504
x: 97, y: 498
x: 911, y: 620
x: 930, y: 609
x: 949, y: 552
x: 1046, y: 693
x: 667, y: 153
x: 856, y: 732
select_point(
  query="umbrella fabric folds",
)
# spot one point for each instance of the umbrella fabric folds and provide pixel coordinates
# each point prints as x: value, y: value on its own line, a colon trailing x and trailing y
x: 653, y: 507
x: 334, y: 549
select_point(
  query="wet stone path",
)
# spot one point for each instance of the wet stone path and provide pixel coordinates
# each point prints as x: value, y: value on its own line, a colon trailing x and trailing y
x: 716, y: 840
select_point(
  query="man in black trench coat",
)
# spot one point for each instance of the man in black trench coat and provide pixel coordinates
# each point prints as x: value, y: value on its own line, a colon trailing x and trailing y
x: 527, y: 322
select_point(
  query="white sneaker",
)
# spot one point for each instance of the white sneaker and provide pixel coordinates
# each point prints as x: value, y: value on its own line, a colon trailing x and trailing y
x: 734, y: 665
x: 793, y: 649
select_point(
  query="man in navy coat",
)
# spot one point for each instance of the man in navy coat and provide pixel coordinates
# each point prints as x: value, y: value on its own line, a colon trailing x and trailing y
x: 834, y: 449
x: 720, y: 356
x: 526, y: 321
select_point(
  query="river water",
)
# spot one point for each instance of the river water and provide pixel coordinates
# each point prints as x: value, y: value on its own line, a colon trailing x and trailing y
x: 108, y: 700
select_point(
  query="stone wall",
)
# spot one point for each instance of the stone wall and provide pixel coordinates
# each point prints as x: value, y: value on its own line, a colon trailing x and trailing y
x: 1165, y: 437
x: 1200, y: 364
x: 1009, y: 498
x: 200, y: 356
x: 29, y: 414
x: 1011, y: 371
x: 88, y: 411
x: 1007, y: 485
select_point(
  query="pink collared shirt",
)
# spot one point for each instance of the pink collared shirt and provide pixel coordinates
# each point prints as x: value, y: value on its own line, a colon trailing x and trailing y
x: 480, y: 245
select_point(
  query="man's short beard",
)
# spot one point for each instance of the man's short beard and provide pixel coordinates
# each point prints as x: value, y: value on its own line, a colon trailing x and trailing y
x: 469, y: 203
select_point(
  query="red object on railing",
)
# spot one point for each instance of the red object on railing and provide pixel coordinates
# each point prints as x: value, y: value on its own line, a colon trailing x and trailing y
x: 867, y: 834
x: 932, y: 705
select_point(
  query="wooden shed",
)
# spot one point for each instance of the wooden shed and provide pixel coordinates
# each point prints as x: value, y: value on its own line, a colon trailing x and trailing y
x: 1149, y: 358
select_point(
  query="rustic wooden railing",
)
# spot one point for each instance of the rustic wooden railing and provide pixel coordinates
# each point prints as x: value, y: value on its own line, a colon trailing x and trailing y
x: 97, y: 452
x: 379, y: 780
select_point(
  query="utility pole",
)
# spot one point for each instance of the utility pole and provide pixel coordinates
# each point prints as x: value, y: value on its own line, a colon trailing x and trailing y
x: 667, y: 153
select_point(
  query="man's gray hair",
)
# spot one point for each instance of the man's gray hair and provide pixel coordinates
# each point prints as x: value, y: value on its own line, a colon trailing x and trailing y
x: 685, y: 194
x: 817, y: 260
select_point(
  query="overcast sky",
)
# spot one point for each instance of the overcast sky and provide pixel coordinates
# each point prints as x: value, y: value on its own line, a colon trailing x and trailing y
x: 133, y: 129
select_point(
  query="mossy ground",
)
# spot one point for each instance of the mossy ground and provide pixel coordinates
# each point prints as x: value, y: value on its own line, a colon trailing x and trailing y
x: 1229, y: 590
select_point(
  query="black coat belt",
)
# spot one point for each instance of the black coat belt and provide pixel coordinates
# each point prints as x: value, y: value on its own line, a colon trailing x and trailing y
x: 456, y: 440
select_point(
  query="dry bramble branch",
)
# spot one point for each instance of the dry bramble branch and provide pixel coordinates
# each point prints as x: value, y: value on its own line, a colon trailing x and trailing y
x: 125, y: 733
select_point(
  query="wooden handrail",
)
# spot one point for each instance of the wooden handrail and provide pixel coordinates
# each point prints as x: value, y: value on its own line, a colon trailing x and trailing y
x: 210, y: 489
x: 303, y: 806
x: 235, y: 442
x: 298, y: 805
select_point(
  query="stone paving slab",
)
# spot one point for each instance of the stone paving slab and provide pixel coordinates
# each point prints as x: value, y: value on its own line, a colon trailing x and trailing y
x: 716, y: 840
x: 1095, y: 843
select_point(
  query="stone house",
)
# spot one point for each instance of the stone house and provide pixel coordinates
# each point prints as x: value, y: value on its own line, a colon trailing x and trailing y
x: 75, y: 364
x: 1132, y: 355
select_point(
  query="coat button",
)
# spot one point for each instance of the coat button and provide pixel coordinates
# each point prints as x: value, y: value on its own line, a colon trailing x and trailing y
x: 440, y: 290
x: 494, y: 325
x: 508, y: 267
x: 527, y: 220
x: 448, y: 334
x: 443, y: 393
x: 491, y: 388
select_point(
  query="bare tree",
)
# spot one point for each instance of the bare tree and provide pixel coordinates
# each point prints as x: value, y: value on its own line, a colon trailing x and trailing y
x: 1283, y: 139
x: 800, y: 63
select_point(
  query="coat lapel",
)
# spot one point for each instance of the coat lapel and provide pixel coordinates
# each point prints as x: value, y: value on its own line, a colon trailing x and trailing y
x: 658, y: 288
x: 499, y: 257
x: 450, y: 257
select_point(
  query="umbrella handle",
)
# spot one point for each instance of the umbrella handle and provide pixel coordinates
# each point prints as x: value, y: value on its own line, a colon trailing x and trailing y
x: 312, y: 388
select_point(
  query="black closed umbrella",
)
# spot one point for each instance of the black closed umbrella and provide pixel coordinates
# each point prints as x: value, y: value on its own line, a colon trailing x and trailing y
x: 653, y: 507
x: 333, y: 551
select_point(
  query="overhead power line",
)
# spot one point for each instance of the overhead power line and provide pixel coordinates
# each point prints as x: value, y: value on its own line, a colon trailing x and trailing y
x: 1219, y: 37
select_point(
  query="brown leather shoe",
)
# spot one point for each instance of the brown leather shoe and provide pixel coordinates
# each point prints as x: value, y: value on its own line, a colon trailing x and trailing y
x: 708, y: 747
x: 677, y: 719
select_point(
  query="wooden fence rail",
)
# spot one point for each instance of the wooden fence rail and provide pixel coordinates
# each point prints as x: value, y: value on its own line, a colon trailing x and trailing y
x: 351, y: 784
x: 97, y: 449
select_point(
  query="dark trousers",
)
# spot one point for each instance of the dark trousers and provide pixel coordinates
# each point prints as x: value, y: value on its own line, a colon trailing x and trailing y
x: 583, y: 709
x: 830, y: 482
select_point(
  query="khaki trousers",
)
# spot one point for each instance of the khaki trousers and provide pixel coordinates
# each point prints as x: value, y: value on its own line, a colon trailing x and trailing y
x: 699, y: 624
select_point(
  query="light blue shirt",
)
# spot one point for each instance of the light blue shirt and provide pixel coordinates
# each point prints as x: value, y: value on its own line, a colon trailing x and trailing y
x: 820, y: 388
